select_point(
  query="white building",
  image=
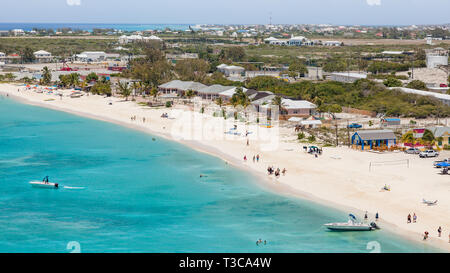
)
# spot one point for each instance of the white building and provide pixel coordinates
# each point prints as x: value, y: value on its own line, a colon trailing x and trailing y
x: 136, y: 38
x: 91, y: 56
x: 348, y: 77
x: 444, y: 98
x: 43, y: 56
x: 230, y: 70
x: 18, y: 32
x: 332, y: 43
x: 437, y: 57
x: 297, y: 41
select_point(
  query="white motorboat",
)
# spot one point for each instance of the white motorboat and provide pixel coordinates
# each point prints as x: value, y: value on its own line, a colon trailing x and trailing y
x: 44, y: 184
x: 351, y: 225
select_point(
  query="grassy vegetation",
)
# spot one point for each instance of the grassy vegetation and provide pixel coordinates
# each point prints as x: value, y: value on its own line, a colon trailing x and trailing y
x: 63, y: 47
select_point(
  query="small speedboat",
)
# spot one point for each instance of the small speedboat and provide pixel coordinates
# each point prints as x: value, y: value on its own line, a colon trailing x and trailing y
x: 352, y: 225
x: 44, y: 184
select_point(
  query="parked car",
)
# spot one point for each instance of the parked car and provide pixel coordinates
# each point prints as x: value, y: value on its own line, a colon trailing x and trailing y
x: 354, y: 126
x: 412, y: 151
x: 428, y: 153
x: 443, y: 85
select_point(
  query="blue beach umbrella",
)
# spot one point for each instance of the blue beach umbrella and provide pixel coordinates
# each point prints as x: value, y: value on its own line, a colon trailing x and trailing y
x: 443, y: 164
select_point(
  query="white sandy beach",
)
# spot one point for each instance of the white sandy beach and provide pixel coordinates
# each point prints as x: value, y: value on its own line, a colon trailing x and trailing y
x: 339, y: 178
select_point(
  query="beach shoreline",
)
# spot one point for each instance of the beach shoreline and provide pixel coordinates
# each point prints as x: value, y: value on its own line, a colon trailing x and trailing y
x: 228, y: 150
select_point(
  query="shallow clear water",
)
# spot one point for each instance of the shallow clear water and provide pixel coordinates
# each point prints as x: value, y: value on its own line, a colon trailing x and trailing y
x: 142, y: 195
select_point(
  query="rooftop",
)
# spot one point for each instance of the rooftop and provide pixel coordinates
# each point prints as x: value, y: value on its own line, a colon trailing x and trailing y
x: 376, y: 134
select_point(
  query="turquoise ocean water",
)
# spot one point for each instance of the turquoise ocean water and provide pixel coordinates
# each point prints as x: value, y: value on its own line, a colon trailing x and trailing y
x: 91, y: 26
x: 142, y: 195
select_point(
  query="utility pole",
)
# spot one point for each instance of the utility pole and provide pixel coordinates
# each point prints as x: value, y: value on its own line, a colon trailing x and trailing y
x: 337, y: 140
x: 348, y: 134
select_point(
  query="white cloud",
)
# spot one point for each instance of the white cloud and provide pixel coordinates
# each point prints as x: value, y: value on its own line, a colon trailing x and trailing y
x: 370, y: 2
x: 77, y: 2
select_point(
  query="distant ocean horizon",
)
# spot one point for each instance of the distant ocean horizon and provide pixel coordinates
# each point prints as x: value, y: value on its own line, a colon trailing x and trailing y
x: 91, y: 26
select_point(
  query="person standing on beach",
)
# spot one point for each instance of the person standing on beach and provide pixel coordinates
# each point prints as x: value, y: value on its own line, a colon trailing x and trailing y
x: 284, y: 171
x: 439, y: 231
x: 408, y: 219
x: 257, y: 158
x: 254, y: 158
x: 245, y: 158
x: 376, y: 216
x: 414, y: 218
x: 248, y: 142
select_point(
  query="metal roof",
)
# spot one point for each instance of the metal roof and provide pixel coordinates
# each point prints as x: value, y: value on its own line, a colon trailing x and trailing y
x: 214, y: 89
x: 376, y: 134
x: 183, y: 85
x: 439, y: 131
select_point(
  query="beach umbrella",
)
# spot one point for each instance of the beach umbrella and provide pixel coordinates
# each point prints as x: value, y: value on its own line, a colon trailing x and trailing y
x: 443, y: 164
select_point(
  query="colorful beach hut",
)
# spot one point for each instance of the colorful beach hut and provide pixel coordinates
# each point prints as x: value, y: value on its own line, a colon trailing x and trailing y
x: 367, y: 139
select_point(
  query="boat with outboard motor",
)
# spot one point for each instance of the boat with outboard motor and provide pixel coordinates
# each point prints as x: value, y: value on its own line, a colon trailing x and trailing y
x: 352, y: 225
x: 44, y: 184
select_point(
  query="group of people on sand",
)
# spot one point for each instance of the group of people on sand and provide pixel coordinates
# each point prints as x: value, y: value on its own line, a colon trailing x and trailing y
x: 165, y: 115
x: 255, y: 158
x: 271, y: 170
x: 414, y: 218
x: 133, y: 118
x: 426, y: 234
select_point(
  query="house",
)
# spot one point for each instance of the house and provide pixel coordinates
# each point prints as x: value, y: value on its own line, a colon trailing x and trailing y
x: 441, y: 132
x: 332, y: 43
x: 137, y: 38
x: 297, y: 41
x: 289, y: 108
x: 91, y: 56
x: 13, y: 58
x: 43, y: 56
x: 180, y: 87
x: 228, y: 94
x: 367, y: 139
x: 230, y: 70
x: 311, y: 123
x: 388, y: 122
x: 212, y: 92
x: 275, y: 41
x: 297, y: 108
x: 348, y: 77
x: 314, y: 73
x: 18, y: 32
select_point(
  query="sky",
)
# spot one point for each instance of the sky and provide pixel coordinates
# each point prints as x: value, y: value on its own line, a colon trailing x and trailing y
x: 336, y: 12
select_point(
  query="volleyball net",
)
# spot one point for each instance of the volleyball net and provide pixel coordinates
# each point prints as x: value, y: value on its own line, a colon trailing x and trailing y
x: 402, y: 162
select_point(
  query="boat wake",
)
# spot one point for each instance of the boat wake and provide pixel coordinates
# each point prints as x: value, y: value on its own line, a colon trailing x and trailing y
x: 74, y: 188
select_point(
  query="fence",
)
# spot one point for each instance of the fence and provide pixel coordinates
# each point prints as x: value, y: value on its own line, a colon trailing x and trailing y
x: 389, y: 163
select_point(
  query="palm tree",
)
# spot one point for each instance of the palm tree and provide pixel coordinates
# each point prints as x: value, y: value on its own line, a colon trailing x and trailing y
x: 219, y: 101
x: 74, y: 79
x: 124, y: 90
x: 189, y: 94
x: 278, y: 101
x: 135, y: 86
x: 408, y: 137
x: 154, y: 93
x: 46, y: 76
